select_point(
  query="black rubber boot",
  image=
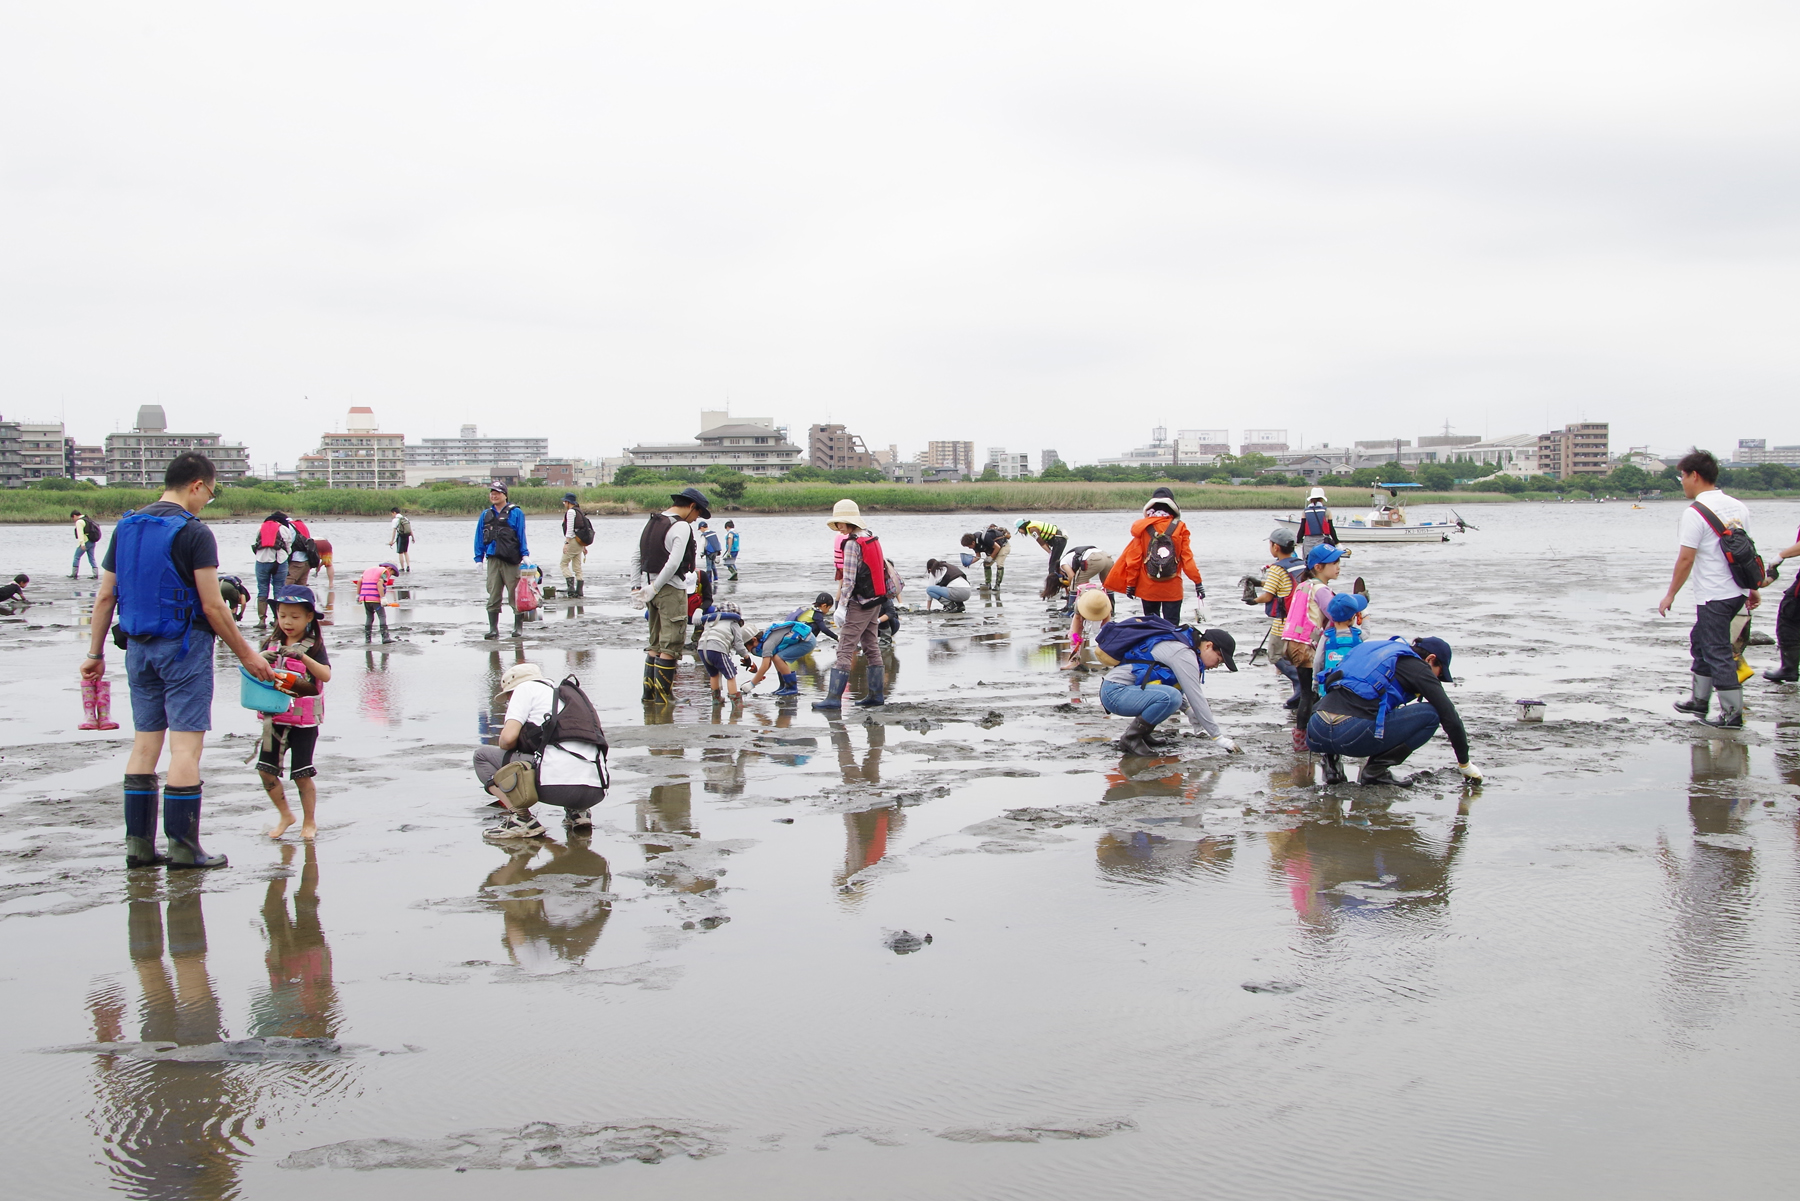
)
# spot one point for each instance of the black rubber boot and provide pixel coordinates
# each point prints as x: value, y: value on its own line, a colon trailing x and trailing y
x: 1789, y: 671
x: 834, y: 691
x: 181, y: 825
x: 580, y: 585
x: 1333, y: 772
x: 877, y: 694
x: 1134, y: 740
x: 1380, y: 770
x: 569, y: 580
x: 140, y: 822
x: 518, y: 621
x: 654, y: 692
x: 493, y: 627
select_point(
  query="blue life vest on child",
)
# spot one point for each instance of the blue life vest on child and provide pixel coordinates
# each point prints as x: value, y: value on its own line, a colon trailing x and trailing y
x: 1132, y: 641
x: 712, y: 544
x: 1368, y: 672
x: 154, y: 601
x: 731, y: 545
x: 1278, y: 607
x: 1336, y: 646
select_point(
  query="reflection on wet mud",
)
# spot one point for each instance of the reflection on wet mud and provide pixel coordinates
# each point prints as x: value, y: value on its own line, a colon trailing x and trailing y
x: 375, y: 691
x: 553, y: 910
x: 1348, y: 862
x: 669, y: 809
x: 1712, y: 889
x: 301, y: 1000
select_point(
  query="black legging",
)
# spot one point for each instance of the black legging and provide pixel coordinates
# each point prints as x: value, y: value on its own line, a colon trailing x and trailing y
x: 1308, y: 697
x: 1169, y: 611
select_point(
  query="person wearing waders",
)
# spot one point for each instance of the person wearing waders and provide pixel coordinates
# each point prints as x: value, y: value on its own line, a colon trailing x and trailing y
x: 578, y: 535
x: 1277, y: 589
x: 500, y: 542
x: 662, y: 574
x: 1316, y: 528
x: 1371, y: 708
x: 1787, y: 625
x: 161, y: 575
x: 1150, y: 568
x: 1158, y: 671
x: 992, y: 545
x: 1719, y: 591
x: 861, y: 594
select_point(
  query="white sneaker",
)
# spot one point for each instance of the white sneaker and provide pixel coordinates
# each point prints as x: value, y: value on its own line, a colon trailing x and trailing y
x: 515, y: 825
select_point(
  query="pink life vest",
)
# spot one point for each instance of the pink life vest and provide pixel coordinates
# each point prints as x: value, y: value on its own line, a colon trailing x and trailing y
x: 307, y: 710
x: 1308, y: 596
x: 369, y: 589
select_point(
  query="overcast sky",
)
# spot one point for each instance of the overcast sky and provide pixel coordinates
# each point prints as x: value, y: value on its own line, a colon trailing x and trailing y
x: 1028, y: 225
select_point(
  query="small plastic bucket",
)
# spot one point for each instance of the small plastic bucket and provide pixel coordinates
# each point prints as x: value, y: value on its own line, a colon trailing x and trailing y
x: 263, y: 698
x: 1530, y: 710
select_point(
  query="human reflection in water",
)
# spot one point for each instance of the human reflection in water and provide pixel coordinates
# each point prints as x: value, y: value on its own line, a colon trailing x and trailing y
x: 669, y: 809
x: 375, y: 691
x: 1350, y: 862
x: 172, y: 1130
x: 867, y: 835
x: 1712, y: 887
x: 869, y: 770
x: 553, y: 910
x: 491, y: 709
x: 301, y: 1000
x: 1136, y: 851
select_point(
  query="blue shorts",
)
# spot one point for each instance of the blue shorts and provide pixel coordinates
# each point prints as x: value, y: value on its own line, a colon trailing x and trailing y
x: 718, y: 663
x: 791, y: 649
x: 170, y: 690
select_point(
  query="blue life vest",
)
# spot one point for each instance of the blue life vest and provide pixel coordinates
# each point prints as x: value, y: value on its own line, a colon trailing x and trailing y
x: 1278, y: 606
x: 712, y: 543
x: 1368, y: 672
x: 154, y: 601
x: 1132, y: 641
x: 1313, y: 522
x: 731, y: 545
x: 1336, y: 646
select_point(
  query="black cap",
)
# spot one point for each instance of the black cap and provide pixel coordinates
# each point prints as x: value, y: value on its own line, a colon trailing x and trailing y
x: 693, y: 496
x: 1440, y: 648
x: 1225, y: 644
x: 499, y: 486
x: 571, y: 497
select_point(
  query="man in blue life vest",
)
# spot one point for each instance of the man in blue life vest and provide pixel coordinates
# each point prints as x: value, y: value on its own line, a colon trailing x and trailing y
x: 1371, y: 709
x: 161, y: 575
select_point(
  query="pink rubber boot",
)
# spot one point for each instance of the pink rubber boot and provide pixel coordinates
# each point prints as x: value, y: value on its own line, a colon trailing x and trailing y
x: 88, y: 706
x: 99, y: 707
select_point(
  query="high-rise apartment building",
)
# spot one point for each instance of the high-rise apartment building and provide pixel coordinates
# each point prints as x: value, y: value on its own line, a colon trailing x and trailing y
x: 834, y: 448
x: 140, y: 457
x: 1574, y: 450
x: 1015, y: 466
x: 360, y: 457
x: 1047, y: 459
x: 469, y: 449
x: 958, y: 455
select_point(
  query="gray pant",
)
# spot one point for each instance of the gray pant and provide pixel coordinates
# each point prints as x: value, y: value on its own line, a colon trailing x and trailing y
x: 488, y: 760
x: 503, y: 584
x: 1710, y: 642
x: 856, y: 627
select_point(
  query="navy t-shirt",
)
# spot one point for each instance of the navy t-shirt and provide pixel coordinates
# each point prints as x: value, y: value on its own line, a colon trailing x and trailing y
x: 194, y: 547
x: 10, y: 591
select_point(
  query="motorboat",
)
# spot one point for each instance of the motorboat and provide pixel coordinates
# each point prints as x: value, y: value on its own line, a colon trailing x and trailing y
x: 1386, y: 521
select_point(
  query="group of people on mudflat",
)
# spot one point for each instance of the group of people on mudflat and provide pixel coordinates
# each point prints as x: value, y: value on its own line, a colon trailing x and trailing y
x: 1352, y: 698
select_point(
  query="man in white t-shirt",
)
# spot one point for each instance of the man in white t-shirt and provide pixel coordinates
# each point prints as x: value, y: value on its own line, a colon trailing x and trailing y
x: 1717, y: 596
x: 570, y: 774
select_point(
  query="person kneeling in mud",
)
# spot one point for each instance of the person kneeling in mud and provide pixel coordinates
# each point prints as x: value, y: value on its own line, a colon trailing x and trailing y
x: 1157, y: 670
x: 551, y: 750
x: 1370, y: 709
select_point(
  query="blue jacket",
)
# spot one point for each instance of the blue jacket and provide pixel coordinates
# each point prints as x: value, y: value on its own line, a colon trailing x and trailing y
x: 515, y: 517
x: 1368, y: 672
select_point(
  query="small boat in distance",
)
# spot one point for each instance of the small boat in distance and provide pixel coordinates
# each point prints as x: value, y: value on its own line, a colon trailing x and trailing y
x: 1386, y: 521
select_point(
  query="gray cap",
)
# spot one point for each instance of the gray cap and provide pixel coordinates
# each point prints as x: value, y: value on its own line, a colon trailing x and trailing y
x: 1282, y: 536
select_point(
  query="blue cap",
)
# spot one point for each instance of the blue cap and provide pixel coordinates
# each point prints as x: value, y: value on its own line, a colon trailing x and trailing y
x: 1322, y: 554
x: 1440, y: 648
x: 297, y: 594
x: 1346, y: 605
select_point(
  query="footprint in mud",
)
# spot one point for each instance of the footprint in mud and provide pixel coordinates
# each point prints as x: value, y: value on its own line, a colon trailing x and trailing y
x: 1273, y: 986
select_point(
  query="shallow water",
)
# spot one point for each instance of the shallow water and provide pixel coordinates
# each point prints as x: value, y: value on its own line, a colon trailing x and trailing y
x: 1196, y: 975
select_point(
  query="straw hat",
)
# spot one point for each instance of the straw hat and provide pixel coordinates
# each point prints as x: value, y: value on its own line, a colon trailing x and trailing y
x: 1094, y: 605
x: 517, y: 674
x: 847, y: 512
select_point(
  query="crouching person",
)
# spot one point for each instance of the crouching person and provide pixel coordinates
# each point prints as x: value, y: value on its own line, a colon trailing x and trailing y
x: 1157, y: 671
x: 551, y: 751
x: 1369, y: 710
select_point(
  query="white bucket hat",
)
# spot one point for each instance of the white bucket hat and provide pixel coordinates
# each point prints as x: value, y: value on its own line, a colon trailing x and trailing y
x: 847, y: 512
x: 517, y: 674
x: 1316, y: 494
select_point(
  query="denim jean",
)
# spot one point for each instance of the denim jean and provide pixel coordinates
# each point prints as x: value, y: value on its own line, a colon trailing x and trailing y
x: 171, y: 689
x: 83, y: 548
x: 1408, y: 728
x: 1152, y: 702
x: 1710, y: 642
x: 269, y: 577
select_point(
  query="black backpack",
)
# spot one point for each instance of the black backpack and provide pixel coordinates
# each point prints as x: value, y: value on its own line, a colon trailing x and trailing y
x: 90, y: 529
x: 1740, y: 549
x: 1162, y: 561
x: 307, y: 549
x: 572, y: 719
x: 498, y: 530
x: 584, y: 529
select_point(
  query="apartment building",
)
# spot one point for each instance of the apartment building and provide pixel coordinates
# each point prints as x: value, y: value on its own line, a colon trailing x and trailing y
x: 361, y: 457
x: 834, y: 448
x: 753, y: 445
x: 959, y: 456
x: 1016, y: 466
x: 1575, y: 450
x: 140, y: 458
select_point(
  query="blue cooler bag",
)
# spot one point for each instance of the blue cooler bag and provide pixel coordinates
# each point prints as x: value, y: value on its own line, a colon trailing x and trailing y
x: 260, y: 696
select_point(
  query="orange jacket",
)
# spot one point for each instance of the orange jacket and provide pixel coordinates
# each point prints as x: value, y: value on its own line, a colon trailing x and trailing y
x: 1128, y: 569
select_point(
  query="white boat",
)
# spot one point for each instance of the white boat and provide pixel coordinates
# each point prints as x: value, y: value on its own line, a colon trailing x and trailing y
x: 1386, y: 521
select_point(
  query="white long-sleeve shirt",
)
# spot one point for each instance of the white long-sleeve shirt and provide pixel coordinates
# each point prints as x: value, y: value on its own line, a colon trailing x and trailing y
x: 676, y: 543
x: 1186, y: 666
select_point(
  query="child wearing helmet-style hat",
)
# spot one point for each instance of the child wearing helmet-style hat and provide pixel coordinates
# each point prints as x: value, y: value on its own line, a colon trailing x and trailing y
x: 295, y: 650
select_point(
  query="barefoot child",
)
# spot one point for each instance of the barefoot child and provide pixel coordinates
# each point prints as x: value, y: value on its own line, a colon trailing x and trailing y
x: 295, y: 646
x: 721, y: 649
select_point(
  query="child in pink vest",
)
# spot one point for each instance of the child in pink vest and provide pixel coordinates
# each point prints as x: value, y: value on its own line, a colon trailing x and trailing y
x: 371, y: 591
x: 296, y: 650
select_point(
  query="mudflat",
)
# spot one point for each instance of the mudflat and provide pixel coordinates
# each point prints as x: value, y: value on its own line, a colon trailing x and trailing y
x: 953, y: 947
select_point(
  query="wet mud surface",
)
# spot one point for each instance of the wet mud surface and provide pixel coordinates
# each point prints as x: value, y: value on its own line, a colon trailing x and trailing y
x: 956, y: 946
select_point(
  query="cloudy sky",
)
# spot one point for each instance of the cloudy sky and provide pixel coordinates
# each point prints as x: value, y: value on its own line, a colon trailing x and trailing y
x: 1029, y: 224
